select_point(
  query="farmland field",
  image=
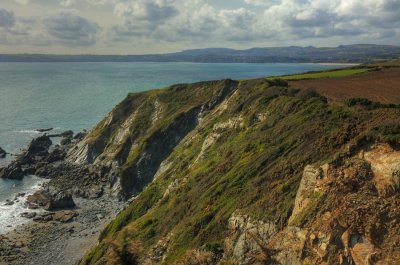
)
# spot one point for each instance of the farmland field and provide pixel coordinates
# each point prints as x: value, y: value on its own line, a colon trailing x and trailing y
x: 382, y: 86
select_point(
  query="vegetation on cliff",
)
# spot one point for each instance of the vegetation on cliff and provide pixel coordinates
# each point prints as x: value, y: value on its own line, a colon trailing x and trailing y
x: 201, y: 155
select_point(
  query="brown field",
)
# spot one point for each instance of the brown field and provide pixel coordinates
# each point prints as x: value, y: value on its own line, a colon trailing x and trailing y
x: 379, y: 86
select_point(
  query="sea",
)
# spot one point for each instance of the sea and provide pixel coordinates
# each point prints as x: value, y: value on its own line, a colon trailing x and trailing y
x: 75, y: 96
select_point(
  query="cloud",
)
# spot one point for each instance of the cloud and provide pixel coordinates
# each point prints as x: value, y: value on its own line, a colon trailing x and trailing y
x: 181, y: 20
x: 239, y: 18
x: 70, y: 3
x: 198, y: 23
x: 72, y: 30
x: 145, y: 10
x: 7, y: 18
x: 22, y: 2
x: 261, y: 2
x: 322, y: 18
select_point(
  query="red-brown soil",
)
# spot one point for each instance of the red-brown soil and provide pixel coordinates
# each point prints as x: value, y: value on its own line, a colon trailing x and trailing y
x: 379, y: 86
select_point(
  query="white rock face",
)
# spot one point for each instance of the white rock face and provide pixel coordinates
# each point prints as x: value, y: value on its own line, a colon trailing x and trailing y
x: 308, y: 185
x: 385, y: 165
x: 248, y: 238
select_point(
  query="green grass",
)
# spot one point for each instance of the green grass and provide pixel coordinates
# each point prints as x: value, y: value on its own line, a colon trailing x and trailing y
x: 256, y: 168
x: 324, y: 74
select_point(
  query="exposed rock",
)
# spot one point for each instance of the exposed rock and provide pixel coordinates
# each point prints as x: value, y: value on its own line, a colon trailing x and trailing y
x: 47, y: 201
x: 3, y: 153
x: 28, y: 215
x: 287, y: 246
x: 39, y: 198
x: 89, y: 193
x: 61, y: 200
x: 67, y: 134
x: 174, y: 186
x: 56, y: 155
x: 233, y: 123
x: 12, y: 171
x: 208, y: 142
x: 46, y: 217
x: 65, y: 141
x: 9, y: 202
x: 64, y: 216
x: 80, y: 135
x: 19, y: 195
x: 44, y: 130
x: 308, y: 185
x: 39, y: 145
x: 385, y: 165
x: 248, y: 239
x: 359, y: 247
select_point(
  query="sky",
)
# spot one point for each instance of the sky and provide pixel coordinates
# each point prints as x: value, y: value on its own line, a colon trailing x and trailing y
x: 161, y: 26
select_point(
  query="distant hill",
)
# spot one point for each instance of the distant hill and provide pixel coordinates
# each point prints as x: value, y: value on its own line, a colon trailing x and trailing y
x: 360, y: 53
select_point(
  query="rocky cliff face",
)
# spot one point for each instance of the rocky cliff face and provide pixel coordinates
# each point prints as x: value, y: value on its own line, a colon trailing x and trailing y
x: 248, y: 172
x: 141, y: 132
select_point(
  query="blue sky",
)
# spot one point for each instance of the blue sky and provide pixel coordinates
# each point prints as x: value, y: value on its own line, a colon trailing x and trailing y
x: 158, y: 26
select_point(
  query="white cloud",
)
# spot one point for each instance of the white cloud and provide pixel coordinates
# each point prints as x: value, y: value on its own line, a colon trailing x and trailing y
x: 7, y: 18
x: 239, y: 18
x: 194, y: 23
x: 70, y: 29
x: 22, y: 2
x: 261, y: 2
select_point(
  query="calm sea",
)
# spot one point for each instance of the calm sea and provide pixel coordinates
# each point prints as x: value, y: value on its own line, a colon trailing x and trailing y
x: 77, y: 95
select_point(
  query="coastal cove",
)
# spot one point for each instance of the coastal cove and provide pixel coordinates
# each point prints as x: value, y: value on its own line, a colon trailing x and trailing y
x: 157, y: 145
x: 77, y: 95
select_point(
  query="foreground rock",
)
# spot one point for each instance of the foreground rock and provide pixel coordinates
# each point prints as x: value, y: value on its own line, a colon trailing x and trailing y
x: 66, y: 230
x: 48, y: 201
x: 59, y: 237
x: 12, y: 171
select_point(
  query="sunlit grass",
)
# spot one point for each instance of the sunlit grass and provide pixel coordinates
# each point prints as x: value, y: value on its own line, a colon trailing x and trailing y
x: 324, y: 74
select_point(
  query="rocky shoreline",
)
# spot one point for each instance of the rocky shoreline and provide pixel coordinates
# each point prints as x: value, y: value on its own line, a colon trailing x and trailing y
x: 66, y: 214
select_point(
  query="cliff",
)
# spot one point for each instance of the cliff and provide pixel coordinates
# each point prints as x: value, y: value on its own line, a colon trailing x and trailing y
x: 248, y: 172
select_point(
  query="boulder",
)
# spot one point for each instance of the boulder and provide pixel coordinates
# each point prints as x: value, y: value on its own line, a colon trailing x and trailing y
x: 62, y: 200
x: 65, y: 141
x: 48, y: 201
x: 28, y: 215
x: 9, y: 202
x: 3, y: 153
x: 56, y: 155
x: 39, y: 199
x: 12, y: 171
x: 65, y: 216
x: 39, y: 145
x: 44, y: 130
x: 89, y: 193
x: 67, y: 134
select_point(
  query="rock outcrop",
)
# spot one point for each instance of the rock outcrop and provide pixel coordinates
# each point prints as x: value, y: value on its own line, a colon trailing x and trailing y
x: 385, y: 165
x: 3, y: 153
x: 12, y: 171
x: 49, y: 201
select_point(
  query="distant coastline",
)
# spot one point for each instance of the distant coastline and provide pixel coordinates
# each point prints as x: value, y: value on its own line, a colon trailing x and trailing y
x: 352, y: 54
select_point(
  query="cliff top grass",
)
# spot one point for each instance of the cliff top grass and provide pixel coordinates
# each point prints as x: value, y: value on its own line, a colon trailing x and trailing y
x: 323, y: 74
x: 247, y: 153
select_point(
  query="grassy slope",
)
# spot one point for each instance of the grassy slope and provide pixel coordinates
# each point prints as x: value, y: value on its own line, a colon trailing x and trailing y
x: 325, y: 74
x: 256, y: 167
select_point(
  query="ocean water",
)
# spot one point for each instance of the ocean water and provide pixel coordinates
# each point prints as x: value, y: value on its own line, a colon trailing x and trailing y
x: 77, y: 95
x: 10, y: 215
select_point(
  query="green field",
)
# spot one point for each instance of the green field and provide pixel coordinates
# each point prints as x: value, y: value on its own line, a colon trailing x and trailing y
x: 324, y: 74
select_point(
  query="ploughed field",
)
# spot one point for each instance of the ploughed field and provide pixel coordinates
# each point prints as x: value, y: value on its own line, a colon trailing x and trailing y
x: 381, y: 85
